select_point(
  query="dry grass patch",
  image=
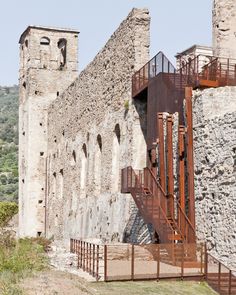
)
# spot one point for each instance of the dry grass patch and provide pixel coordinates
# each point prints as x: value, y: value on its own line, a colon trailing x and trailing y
x: 151, y: 288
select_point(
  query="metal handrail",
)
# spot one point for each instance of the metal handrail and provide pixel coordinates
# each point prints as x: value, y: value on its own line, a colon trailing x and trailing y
x: 138, y: 188
x: 219, y: 68
x: 180, y: 210
x: 158, y: 64
x: 216, y: 283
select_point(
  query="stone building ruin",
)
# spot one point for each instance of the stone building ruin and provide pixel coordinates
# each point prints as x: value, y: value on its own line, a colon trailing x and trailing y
x: 76, y: 134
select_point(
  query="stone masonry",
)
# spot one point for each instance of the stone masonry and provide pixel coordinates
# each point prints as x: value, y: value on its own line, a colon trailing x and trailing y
x: 224, y: 28
x: 77, y: 133
x: 214, y: 123
x: 94, y: 131
x: 43, y: 76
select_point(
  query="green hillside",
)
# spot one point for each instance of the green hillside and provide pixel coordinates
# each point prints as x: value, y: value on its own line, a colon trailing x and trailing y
x: 8, y: 143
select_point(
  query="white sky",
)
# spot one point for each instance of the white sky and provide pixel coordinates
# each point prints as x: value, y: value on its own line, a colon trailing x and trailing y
x: 175, y: 25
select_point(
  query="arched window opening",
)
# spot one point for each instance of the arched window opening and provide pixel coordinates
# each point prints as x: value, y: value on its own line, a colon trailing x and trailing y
x: 62, y: 47
x: 115, y: 173
x: 84, y: 163
x: 98, y: 166
x: 44, y: 41
x: 45, y: 52
x: 54, y: 183
x: 61, y: 183
x: 74, y: 156
x: 99, y: 142
x: 117, y: 132
x: 84, y: 148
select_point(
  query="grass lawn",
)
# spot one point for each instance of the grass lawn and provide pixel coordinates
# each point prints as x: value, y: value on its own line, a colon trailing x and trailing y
x: 151, y: 288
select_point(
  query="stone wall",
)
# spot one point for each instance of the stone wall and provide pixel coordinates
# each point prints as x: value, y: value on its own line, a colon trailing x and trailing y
x: 214, y: 115
x: 42, y: 79
x: 94, y: 131
x: 224, y: 28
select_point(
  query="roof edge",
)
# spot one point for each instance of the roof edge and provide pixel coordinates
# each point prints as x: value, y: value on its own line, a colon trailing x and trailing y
x: 46, y: 29
x: 191, y: 48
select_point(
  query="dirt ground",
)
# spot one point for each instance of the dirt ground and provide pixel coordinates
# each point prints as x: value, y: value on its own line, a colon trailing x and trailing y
x: 52, y: 282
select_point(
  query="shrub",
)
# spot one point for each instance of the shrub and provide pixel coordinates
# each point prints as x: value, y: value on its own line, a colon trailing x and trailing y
x: 45, y: 243
x: 7, y: 211
x: 24, y: 256
x: 19, y: 259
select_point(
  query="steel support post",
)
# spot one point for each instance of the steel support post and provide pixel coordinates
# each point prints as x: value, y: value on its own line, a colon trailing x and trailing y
x: 170, y: 163
x: 181, y: 168
x: 190, y: 161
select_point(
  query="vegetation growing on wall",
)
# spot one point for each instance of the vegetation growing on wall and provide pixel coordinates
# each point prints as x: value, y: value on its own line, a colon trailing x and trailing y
x: 8, y: 143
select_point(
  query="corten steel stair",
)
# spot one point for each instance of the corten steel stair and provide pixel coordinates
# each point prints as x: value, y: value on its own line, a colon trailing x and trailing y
x: 165, y: 88
x: 164, y: 213
x: 157, y: 208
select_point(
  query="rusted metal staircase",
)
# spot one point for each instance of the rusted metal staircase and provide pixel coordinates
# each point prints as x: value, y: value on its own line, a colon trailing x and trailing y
x: 157, y: 208
x: 165, y: 214
x: 165, y: 88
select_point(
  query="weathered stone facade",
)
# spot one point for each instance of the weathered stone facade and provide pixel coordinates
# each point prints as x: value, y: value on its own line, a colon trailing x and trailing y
x: 76, y: 137
x: 224, y: 28
x: 215, y: 175
x: 43, y: 76
x: 94, y: 131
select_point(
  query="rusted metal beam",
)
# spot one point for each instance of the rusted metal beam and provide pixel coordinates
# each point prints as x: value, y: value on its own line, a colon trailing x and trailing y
x: 153, y: 161
x: 230, y: 282
x: 170, y: 172
x: 132, y: 262
x: 105, y: 263
x: 158, y: 261
x: 161, y: 158
x: 87, y: 256
x: 97, y: 263
x: 84, y: 243
x: 181, y: 167
x: 206, y: 263
x: 93, y: 272
x: 219, y: 275
x: 182, y: 261
x: 190, y: 160
x: 90, y: 258
x: 161, y: 150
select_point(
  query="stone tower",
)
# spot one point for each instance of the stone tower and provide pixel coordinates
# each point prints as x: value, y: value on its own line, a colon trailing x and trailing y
x: 224, y: 28
x: 48, y: 65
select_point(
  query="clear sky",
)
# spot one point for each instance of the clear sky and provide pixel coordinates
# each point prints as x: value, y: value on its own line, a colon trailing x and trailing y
x: 175, y: 25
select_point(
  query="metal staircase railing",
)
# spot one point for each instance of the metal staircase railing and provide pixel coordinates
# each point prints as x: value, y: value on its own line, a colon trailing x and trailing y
x: 156, y: 207
x: 197, y: 72
x: 220, y: 277
x: 158, y: 64
x: 173, y: 209
x: 148, y: 202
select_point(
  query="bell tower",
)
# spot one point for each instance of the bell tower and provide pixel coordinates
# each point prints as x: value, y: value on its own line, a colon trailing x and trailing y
x: 48, y: 65
x: 224, y: 28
